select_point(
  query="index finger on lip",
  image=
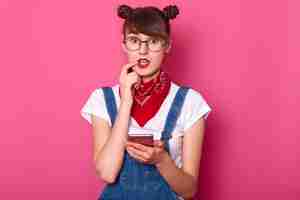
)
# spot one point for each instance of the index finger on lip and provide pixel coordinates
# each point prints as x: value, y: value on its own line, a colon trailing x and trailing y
x: 131, y: 65
x: 127, y: 66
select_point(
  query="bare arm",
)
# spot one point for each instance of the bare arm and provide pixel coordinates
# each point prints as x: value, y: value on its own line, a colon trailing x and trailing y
x: 184, y: 181
x: 109, y: 143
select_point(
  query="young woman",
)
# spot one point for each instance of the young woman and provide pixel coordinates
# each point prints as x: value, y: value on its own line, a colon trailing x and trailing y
x: 146, y: 100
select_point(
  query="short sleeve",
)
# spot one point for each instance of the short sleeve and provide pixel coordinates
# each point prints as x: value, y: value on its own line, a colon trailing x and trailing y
x: 194, y: 108
x: 95, y: 105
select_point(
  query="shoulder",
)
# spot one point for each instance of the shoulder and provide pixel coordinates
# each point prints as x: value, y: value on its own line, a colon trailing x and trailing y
x: 193, y: 95
x: 96, y: 97
x: 194, y: 107
x: 96, y: 105
x: 99, y: 91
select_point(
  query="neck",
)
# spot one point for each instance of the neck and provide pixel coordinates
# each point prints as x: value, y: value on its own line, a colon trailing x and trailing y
x: 150, y: 77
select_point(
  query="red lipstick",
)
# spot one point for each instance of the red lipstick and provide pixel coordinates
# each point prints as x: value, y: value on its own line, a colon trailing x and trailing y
x: 143, y: 62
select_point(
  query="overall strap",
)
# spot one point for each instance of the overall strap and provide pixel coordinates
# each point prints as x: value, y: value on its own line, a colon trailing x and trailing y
x: 110, y: 103
x: 173, y: 115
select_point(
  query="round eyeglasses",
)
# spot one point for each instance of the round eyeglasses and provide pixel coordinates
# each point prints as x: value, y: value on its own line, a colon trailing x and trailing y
x: 154, y: 44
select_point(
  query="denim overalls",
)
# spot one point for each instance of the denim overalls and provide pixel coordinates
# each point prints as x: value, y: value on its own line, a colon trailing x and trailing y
x: 139, y: 181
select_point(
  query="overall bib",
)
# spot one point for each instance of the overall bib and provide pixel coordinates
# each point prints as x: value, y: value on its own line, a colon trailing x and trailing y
x: 139, y: 181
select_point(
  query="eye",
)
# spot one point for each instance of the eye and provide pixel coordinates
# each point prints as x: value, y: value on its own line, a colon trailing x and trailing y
x: 154, y: 41
x: 133, y: 39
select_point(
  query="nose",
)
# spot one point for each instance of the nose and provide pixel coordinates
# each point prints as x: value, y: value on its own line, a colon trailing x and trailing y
x: 144, y: 48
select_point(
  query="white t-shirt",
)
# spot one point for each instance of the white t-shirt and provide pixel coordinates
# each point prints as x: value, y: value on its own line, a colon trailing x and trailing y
x: 194, y: 107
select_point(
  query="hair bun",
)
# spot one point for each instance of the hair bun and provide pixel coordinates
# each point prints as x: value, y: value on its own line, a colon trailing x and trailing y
x: 171, y: 11
x: 124, y: 11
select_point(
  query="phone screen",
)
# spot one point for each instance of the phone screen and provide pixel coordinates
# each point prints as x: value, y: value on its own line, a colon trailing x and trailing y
x: 145, y: 139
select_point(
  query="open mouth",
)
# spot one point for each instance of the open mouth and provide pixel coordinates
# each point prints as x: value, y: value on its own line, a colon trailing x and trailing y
x: 143, y: 62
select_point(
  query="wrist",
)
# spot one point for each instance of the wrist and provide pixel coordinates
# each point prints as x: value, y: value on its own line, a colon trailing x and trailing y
x: 165, y: 158
x: 126, y: 103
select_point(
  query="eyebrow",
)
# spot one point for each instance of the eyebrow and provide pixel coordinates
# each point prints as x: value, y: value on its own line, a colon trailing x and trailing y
x: 136, y: 35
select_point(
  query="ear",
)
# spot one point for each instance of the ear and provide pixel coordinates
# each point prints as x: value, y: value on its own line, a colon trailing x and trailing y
x: 168, y: 49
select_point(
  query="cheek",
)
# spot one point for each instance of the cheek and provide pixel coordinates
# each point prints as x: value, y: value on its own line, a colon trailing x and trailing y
x: 157, y: 59
x: 132, y: 56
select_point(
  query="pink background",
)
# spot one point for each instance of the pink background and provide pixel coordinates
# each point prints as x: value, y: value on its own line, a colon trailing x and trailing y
x: 243, y: 56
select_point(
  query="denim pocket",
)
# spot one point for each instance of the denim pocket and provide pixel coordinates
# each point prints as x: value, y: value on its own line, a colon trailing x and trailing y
x: 152, y: 180
x: 111, y: 193
x: 124, y: 178
x: 125, y: 170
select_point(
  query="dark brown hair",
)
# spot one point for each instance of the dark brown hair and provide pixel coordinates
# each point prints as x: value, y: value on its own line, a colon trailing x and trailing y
x: 148, y: 20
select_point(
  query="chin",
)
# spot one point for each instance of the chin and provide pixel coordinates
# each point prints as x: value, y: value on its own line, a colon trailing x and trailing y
x: 147, y: 74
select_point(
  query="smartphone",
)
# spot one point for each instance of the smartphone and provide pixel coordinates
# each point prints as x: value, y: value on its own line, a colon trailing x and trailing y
x: 144, y: 139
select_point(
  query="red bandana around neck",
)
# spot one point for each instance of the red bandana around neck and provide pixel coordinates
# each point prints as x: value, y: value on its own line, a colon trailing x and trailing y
x: 149, y: 96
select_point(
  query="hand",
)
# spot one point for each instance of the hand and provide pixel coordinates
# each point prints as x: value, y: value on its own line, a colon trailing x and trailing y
x: 146, y: 154
x: 127, y: 80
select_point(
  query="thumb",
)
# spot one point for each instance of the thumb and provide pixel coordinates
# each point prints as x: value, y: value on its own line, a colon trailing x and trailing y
x: 159, y: 143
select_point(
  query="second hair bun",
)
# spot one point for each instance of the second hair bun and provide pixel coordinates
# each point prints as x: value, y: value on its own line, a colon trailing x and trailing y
x: 171, y: 11
x: 124, y: 11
